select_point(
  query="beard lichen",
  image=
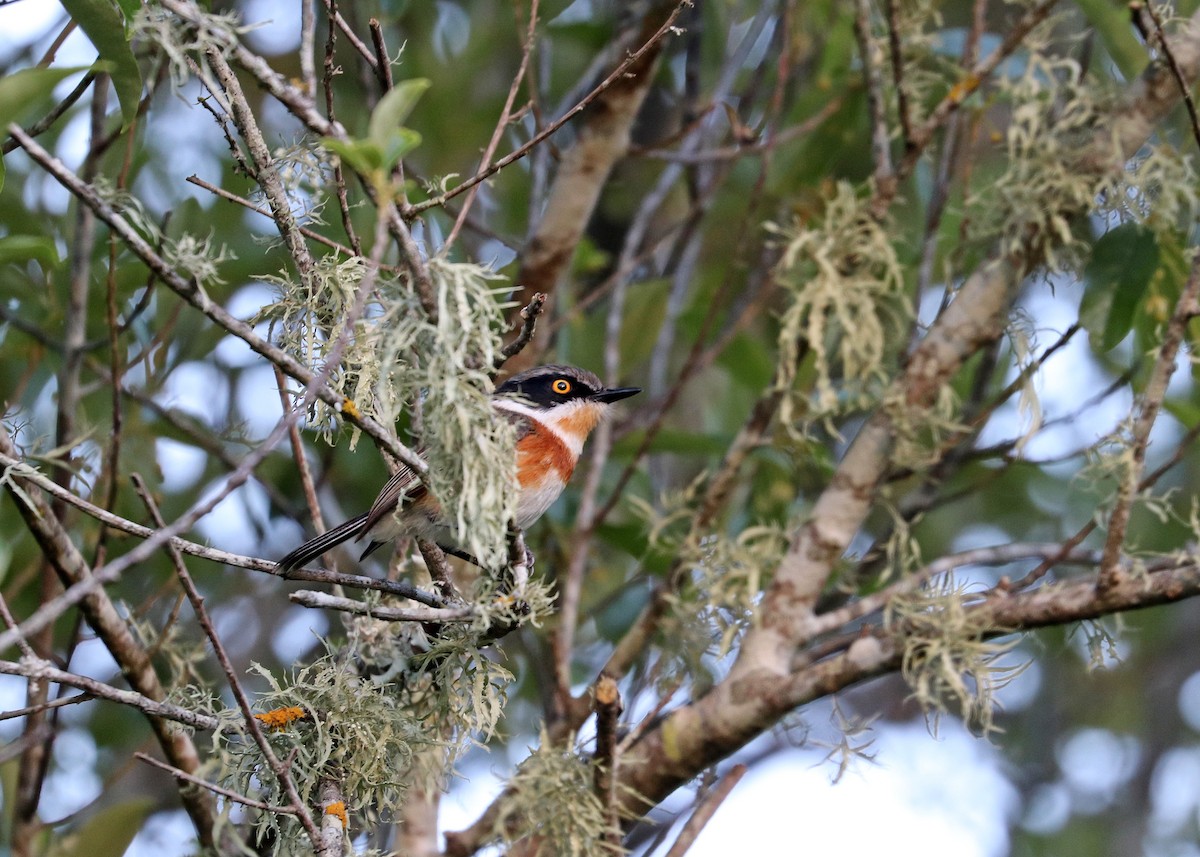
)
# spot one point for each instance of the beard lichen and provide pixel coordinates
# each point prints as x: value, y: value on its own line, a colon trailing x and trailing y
x: 952, y: 657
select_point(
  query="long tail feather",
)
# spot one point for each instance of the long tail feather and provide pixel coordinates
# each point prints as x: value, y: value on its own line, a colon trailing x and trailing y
x: 313, y: 548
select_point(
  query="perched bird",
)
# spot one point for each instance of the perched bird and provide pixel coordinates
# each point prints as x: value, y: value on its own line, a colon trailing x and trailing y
x: 554, y: 408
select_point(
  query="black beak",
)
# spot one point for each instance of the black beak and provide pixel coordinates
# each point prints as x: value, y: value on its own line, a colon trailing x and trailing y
x: 615, y: 394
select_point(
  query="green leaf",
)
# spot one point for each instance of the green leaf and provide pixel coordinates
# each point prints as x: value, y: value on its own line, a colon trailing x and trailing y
x: 391, y: 111
x: 22, y: 90
x: 386, y: 131
x: 1111, y: 21
x: 1186, y: 412
x: 105, y: 27
x: 400, y: 143
x: 129, y: 8
x: 1122, y: 264
x: 362, y: 156
x: 22, y: 248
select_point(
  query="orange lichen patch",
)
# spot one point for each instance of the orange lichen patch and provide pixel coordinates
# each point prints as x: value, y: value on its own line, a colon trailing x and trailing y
x: 350, y: 409
x: 277, y: 718
x: 338, y: 810
x: 964, y: 88
x: 540, y: 452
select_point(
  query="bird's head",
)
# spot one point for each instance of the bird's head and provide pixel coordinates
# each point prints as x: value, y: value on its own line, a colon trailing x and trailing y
x: 570, y: 399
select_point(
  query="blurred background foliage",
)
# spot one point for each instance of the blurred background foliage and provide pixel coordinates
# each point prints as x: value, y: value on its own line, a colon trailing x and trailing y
x: 1122, y: 694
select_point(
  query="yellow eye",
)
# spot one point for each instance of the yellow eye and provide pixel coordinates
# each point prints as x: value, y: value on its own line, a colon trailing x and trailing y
x: 561, y: 386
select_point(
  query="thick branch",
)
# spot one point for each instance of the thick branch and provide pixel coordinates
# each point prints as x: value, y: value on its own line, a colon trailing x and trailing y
x: 601, y: 140
x: 104, y: 618
x: 761, y: 688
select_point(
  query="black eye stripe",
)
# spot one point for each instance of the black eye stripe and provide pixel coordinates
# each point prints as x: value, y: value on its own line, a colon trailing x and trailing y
x: 545, y: 391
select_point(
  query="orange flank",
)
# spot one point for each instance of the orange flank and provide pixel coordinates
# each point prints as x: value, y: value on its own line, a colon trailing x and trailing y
x: 540, y: 453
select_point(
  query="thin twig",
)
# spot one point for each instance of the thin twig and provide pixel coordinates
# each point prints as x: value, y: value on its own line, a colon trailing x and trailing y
x: 213, y: 787
x: 252, y: 725
x: 383, y: 60
x: 896, y: 49
x: 298, y: 456
x: 331, y: 69
x: 708, y: 806
x: 529, y: 317
x: 881, y: 144
x: 23, y: 473
x: 1159, y: 36
x: 501, y: 123
x: 1186, y: 309
x: 308, y: 42
x: 607, y: 702
x: 363, y: 49
x: 245, y: 203
x: 325, y: 601
x: 42, y: 125
x: 45, y: 671
x: 439, y: 568
x: 490, y: 170
x: 46, y: 706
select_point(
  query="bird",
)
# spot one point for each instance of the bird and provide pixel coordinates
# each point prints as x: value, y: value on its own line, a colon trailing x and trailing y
x: 554, y: 407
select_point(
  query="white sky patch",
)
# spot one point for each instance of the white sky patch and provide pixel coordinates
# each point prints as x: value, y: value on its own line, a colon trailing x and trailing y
x: 181, y: 464
x: 257, y: 399
x: 923, y: 795
x: 297, y: 632
x: 199, y: 389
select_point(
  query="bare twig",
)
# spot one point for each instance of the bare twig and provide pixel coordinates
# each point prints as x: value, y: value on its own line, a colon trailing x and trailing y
x: 1186, y: 309
x: 45, y: 671
x: 308, y: 42
x: 25, y: 475
x: 881, y: 144
x: 324, y: 601
x: 529, y: 317
x: 363, y: 49
x: 252, y: 725
x: 616, y: 74
x: 298, y: 456
x: 708, y: 806
x: 501, y: 123
x: 54, y: 703
x: 330, y: 70
x: 896, y: 48
x: 1160, y: 37
x: 607, y: 703
x: 383, y: 60
x: 213, y: 787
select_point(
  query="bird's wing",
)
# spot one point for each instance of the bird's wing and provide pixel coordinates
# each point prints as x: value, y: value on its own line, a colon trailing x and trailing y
x: 406, y: 484
x: 403, y: 484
